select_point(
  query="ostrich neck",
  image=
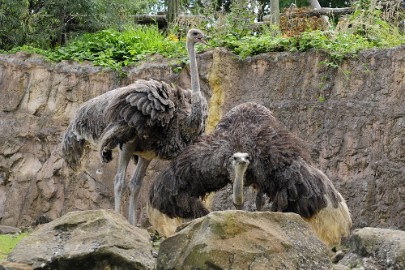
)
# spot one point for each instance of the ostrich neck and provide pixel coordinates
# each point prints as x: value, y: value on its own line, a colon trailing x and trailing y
x: 195, y: 83
x: 238, y: 184
x: 195, y: 121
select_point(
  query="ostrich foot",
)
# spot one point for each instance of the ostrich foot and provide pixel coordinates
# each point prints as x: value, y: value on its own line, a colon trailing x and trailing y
x: 106, y: 155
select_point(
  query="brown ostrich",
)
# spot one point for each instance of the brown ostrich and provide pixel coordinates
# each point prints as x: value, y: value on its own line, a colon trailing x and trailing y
x: 147, y: 119
x: 249, y: 148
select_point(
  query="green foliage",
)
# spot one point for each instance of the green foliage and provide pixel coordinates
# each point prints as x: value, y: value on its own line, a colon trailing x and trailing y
x: 321, y: 98
x: 375, y: 24
x: 8, y: 243
x: 12, y: 27
x: 237, y: 21
x: 254, y: 44
x: 116, y: 49
x: 47, y: 23
x: 366, y: 28
x: 241, y: 17
x: 337, y: 45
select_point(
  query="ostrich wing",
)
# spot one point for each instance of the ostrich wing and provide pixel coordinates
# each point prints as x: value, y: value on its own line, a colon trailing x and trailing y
x: 143, y: 102
x: 198, y: 170
x: 302, y: 189
x: 143, y: 110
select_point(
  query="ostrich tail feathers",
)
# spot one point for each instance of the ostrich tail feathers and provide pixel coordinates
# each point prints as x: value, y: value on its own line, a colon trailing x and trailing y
x: 72, y: 148
x: 162, y: 223
x: 332, y: 224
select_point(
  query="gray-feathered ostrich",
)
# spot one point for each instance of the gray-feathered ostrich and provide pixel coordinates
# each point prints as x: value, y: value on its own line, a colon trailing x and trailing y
x: 147, y: 119
x: 249, y: 148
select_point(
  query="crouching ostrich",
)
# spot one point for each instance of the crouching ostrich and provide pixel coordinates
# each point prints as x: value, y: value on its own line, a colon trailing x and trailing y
x: 250, y: 148
x: 147, y: 119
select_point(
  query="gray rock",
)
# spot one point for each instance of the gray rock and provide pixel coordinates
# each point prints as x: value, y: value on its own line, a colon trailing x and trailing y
x: 244, y: 240
x: 94, y: 239
x: 8, y: 229
x: 14, y: 266
x: 375, y: 249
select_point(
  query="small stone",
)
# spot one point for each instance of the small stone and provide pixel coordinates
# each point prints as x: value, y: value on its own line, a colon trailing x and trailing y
x: 338, y: 256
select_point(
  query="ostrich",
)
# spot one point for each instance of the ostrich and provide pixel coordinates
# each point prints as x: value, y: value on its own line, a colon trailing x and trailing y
x: 147, y: 120
x: 249, y: 148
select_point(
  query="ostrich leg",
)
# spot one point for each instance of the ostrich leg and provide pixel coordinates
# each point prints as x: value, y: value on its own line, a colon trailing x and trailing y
x: 119, y: 180
x: 135, y: 186
x: 259, y: 200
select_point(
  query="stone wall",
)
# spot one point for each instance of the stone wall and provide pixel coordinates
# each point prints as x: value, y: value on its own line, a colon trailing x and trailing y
x: 353, y: 117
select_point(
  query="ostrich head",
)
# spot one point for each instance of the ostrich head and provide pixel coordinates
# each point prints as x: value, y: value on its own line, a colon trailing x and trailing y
x: 240, y: 162
x: 196, y: 36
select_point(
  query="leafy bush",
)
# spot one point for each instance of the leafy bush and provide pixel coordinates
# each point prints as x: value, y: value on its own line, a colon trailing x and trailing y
x: 116, y: 49
x: 12, y: 14
x: 368, y: 27
x: 255, y: 44
x: 48, y: 23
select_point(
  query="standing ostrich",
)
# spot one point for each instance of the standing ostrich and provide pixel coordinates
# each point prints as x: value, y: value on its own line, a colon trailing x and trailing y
x: 147, y: 119
x: 249, y: 148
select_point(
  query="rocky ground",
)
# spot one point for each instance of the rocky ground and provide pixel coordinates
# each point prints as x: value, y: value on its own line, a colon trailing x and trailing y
x: 102, y: 239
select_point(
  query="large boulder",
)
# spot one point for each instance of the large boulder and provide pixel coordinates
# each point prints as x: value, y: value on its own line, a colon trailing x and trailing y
x: 93, y: 239
x: 375, y: 248
x: 244, y: 240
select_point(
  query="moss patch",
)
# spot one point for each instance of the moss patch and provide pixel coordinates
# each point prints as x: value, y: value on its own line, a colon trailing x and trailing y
x: 218, y: 94
x: 8, y: 243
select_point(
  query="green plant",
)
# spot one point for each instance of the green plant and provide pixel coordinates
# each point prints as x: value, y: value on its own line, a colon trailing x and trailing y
x: 339, y: 43
x: 329, y: 64
x: 116, y: 49
x: 46, y: 24
x: 373, y: 22
x: 321, y: 98
x: 253, y: 44
x: 12, y: 16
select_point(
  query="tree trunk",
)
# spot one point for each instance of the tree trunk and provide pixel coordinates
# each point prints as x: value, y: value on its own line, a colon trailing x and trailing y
x: 315, y: 4
x: 172, y: 10
x: 275, y: 12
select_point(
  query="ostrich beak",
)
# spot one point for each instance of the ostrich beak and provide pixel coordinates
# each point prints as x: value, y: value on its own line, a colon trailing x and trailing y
x: 203, y: 40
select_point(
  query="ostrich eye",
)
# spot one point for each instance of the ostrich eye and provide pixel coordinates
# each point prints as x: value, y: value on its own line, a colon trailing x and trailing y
x: 195, y: 33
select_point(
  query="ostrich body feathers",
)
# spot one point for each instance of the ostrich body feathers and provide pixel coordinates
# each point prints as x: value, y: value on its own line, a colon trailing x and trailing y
x: 148, y: 113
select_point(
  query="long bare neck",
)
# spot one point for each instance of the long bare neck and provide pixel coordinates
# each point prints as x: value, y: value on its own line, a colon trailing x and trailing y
x: 238, y: 185
x: 195, y: 82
